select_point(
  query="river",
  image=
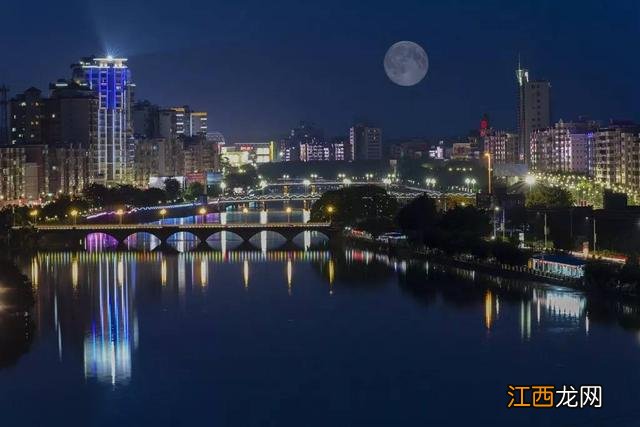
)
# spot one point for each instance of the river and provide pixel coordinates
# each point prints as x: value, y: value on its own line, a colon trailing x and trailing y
x: 302, y: 338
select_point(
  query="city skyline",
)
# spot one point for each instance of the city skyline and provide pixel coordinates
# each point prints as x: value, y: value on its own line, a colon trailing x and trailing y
x: 256, y: 80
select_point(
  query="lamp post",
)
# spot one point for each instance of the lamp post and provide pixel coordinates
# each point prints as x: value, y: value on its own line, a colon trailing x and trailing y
x: 495, y: 227
x: 467, y: 181
x: 330, y: 210
x: 306, y: 184
x: 120, y: 213
x: 530, y: 180
x: 489, y: 171
x: 203, y: 212
x: 34, y: 214
x: 245, y: 211
x: 74, y: 215
x: 163, y: 212
x: 288, y: 214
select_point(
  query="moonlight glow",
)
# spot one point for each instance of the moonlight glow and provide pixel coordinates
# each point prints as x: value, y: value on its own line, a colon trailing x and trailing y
x: 406, y: 63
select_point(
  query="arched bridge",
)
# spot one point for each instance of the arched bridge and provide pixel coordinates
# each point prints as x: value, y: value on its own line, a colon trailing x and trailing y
x: 163, y: 232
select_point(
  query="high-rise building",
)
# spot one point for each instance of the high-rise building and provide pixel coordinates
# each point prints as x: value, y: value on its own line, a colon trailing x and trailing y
x: 158, y: 157
x: 617, y: 154
x: 566, y: 147
x: 26, y: 117
x: 200, y: 155
x: 12, y: 171
x: 69, y: 168
x: 502, y: 146
x: 4, y: 115
x: 534, y: 109
x: 366, y: 142
x: 177, y: 122
x: 113, y: 150
x: 146, y: 120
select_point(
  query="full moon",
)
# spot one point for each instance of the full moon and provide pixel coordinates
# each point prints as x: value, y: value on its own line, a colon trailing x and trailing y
x: 406, y: 63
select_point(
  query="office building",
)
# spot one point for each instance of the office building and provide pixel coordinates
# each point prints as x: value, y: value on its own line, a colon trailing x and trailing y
x: 366, y: 142
x: 113, y: 149
x: 534, y: 110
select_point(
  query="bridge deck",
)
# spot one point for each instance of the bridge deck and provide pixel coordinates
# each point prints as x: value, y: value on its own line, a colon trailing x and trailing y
x: 206, y: 226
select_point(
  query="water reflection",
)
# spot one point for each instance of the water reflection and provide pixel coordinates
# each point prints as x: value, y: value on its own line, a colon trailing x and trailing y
x: 16, y: 324
x: 109, y: 343
x: 88, y: 302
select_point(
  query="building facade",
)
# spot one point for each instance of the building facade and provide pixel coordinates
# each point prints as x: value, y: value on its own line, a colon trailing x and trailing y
x: 503, y: 147
x: 12, y: 173
x: 566, y: 147
x: 113, y: 150
x: 534, y: 110
x: 27, y: 111
x: 617, y: 153
x: 366, y: 142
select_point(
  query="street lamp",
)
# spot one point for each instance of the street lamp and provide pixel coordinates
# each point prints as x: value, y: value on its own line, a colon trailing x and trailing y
x: 467, y: 181
x: 34, y: 214
x: 330, y: 210
x: 223, y: 186
x: 202, y: 211
x: 244, y: 213
x: 473, y: 184
x: 120, y: 213
x: 530, y: 180
x: 163, y: 212
x: 74, y: 215
x: 489, y: 171
x: 288, y: 213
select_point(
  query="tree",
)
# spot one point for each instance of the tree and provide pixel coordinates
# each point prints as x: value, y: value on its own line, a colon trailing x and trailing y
x: 419, y: 215
x: 245, y: 177
x: 194, y: 190
x: 350, y: 205
x: 97, y: 194
x: 172, y: 188
x: 466, y: 220
x: 547, y: 197
x: 507, y: 253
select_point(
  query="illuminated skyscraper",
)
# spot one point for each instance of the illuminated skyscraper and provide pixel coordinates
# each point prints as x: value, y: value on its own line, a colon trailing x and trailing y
x: 112, y: 153
x: 534, y: 110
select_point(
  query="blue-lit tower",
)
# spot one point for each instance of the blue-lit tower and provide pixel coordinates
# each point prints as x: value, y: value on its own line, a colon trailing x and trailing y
x: 112, y: 153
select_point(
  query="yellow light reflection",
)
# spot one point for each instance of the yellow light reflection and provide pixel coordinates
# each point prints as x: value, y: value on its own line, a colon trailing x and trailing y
x: 488, y: 309
x: 289, y: 274
x: 245, y: 270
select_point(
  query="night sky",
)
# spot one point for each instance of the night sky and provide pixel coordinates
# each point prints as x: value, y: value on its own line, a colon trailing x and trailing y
x: 260, y: 67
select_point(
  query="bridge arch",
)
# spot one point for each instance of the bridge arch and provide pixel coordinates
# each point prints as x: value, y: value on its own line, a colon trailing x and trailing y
x: 145, y: 240
x: 268, y: 239
x: 100, y: 240
x: 182, y: 241
x: 224, y: 240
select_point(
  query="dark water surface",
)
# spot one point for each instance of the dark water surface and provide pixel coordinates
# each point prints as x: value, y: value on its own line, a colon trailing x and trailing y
x: 279, y: 338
